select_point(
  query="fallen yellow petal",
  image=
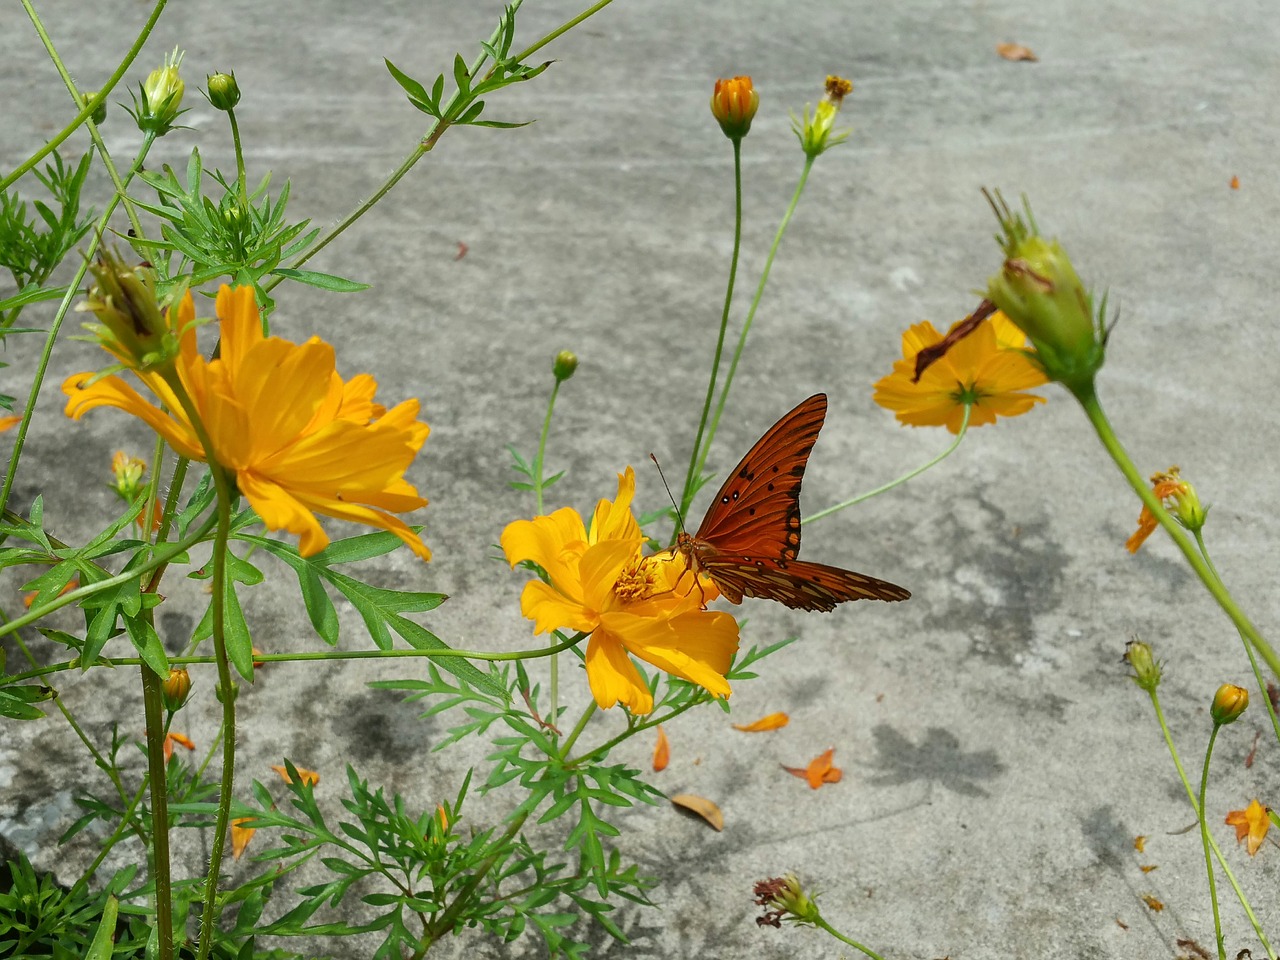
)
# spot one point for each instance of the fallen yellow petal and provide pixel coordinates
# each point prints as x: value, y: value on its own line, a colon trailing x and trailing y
x: 1152, y: 902
x: 240, y: 836
x: 309, y: 777
x: 661, y: 752
x: 773, y: 721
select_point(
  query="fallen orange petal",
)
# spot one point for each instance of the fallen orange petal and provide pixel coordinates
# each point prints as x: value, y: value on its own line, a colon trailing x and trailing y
x: 773, y: 721
x: 7, y: 422
x: 1152, y: 902
x: 1148, y: 868
x: 819, y: 768
x: 240, y: 836
x: 1251, y: 822
x: 661, y: 752
x: 1140, y: 842
x: 1235, y: 183
x: 1015, y: 51
x: 703, y: 807
x: 309, y: 777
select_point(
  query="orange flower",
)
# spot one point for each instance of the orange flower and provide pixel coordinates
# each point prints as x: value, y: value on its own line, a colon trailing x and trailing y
x: 773, y: 721
x: 987, y: 370
x: 309, y: 777
x: 632, y: 605
x: 734, y: 104
x: 819, y: 771
x: 1252, y: 822
x: 298, y: 438
x: 661, y: 752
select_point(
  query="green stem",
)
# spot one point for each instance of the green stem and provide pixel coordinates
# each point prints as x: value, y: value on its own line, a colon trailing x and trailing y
x: 42, y: 365
x: 818, y: 921
x: 686, y: 494
x: 639, y: 728
x: 153, y: 706
x: 751, y: 313
x: 311, y: 655
x: 90, y: 106
x: 448, y: 918
x: 964, y: 426
x: 562, y: 29
x: 1093, y: 409
x: 1204, y: 838
x: 587, y: 714
x: 1196, y: 806
x: 538, y: 460
x: 1253, y: 660
x: 240, y: 171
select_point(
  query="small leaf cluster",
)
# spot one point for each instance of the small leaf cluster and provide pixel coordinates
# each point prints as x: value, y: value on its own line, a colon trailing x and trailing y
x: 465, y: 106
x: 32, y: 247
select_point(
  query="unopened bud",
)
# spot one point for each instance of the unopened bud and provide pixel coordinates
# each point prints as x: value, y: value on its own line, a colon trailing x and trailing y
x: 734, y: 103
x: 100, y: 111
x: 127, y: 472
x: 1146, y: 671
x: 224, y: 92
x: 565, y: 364
x: 161, y: 99
x: 1228, y: 703
x: 176, y: 688
x: 132, y: 325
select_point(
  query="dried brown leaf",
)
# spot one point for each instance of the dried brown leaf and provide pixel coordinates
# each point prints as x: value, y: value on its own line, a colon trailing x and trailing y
x: 1015, y: 51
x: 703, y: 807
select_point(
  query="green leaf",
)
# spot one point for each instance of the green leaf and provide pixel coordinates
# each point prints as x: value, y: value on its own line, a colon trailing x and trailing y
x: 104, y: 938
x: 420, y: 638
x: 460, y: 75
x: 236, y: 633
x: 148, y: 643
x: 325, y: 281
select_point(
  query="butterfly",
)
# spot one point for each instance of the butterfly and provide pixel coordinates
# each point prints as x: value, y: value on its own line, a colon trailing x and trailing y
x: 749, y: 540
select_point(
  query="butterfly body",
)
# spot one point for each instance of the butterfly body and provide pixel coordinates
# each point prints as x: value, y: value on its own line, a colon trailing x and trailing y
x: 749, y: 541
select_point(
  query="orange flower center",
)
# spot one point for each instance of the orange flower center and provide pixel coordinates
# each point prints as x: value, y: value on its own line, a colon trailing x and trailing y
x: 636, y: 581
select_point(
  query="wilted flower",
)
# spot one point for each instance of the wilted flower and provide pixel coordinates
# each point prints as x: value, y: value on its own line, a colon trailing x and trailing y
x: 1179, y: 497
x: 1253, y: 822
x: 785, y: 899
x: 814, y: 131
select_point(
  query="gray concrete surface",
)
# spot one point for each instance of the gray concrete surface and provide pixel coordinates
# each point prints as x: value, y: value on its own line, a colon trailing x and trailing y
x: 997, y: 763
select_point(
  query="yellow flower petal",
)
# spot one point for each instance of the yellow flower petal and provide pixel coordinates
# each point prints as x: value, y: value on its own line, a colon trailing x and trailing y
x: 614, y: 678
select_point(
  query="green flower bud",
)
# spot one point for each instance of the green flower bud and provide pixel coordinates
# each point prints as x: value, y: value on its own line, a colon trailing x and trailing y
x: 161, y: 97
x: 565, y: 364
x: 1228, y: 703
x: 224, y: 92
x: 100, y: 111
x: 1146, y: 670
x: 1037, y: 288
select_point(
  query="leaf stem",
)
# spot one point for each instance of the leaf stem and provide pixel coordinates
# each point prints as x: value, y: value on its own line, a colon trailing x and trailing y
x: 1204, y: 839
x: 818, y: 921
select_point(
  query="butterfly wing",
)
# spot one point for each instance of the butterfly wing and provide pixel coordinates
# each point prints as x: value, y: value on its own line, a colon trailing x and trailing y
x: 795, y: 583
x: 756, y: 513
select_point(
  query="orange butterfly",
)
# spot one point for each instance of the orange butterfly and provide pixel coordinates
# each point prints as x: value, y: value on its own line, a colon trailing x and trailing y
x: 749, y: 540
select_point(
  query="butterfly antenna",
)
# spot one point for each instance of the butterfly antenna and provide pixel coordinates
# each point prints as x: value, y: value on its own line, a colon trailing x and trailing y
x: 679, y: 517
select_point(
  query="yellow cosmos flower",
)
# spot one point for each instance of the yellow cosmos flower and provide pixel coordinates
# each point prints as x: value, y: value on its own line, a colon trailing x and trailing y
x: 985, y: 369
x: 630, y: 604
x: 298, y: 438
x: 1252, y: 824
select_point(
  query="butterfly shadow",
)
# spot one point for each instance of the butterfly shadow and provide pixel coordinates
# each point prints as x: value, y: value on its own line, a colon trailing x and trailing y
x: 937, y: 760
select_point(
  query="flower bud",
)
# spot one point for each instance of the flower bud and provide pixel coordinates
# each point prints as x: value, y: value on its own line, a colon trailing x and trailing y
x: 1039, y: 291
x: 1146, y: 670
x: 733, y: 104
x: 1228, y: 703
x: 132, y: 325
x: 161, y: 97
x: 100, y: 111
x: 128, y: 472
x: 815, y: 130
x: 175, y: 689
x: 224, y: 92
x: 565, y: 364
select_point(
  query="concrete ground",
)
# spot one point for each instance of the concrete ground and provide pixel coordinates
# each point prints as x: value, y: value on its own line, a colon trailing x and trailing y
x: 997, y: 763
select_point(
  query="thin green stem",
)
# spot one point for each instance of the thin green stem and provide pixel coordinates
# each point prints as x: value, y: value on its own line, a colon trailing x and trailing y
x: 687, y: 492
x: 560, y: 30
x: 1196, y: 806
x: 240, y: 171
x: 843, y: 939
x: 538, y: 461
x: 751, y: 312
x: 639, y: 728
x: 126, y: 821
x: 1253, y: 660
x: 587, y: 714
x: 964, y: 427
x: 311, y: 655
x: 1093, y: 409
x: 90, y: 106
x: 153, y: 707
x: 1204, y: 837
